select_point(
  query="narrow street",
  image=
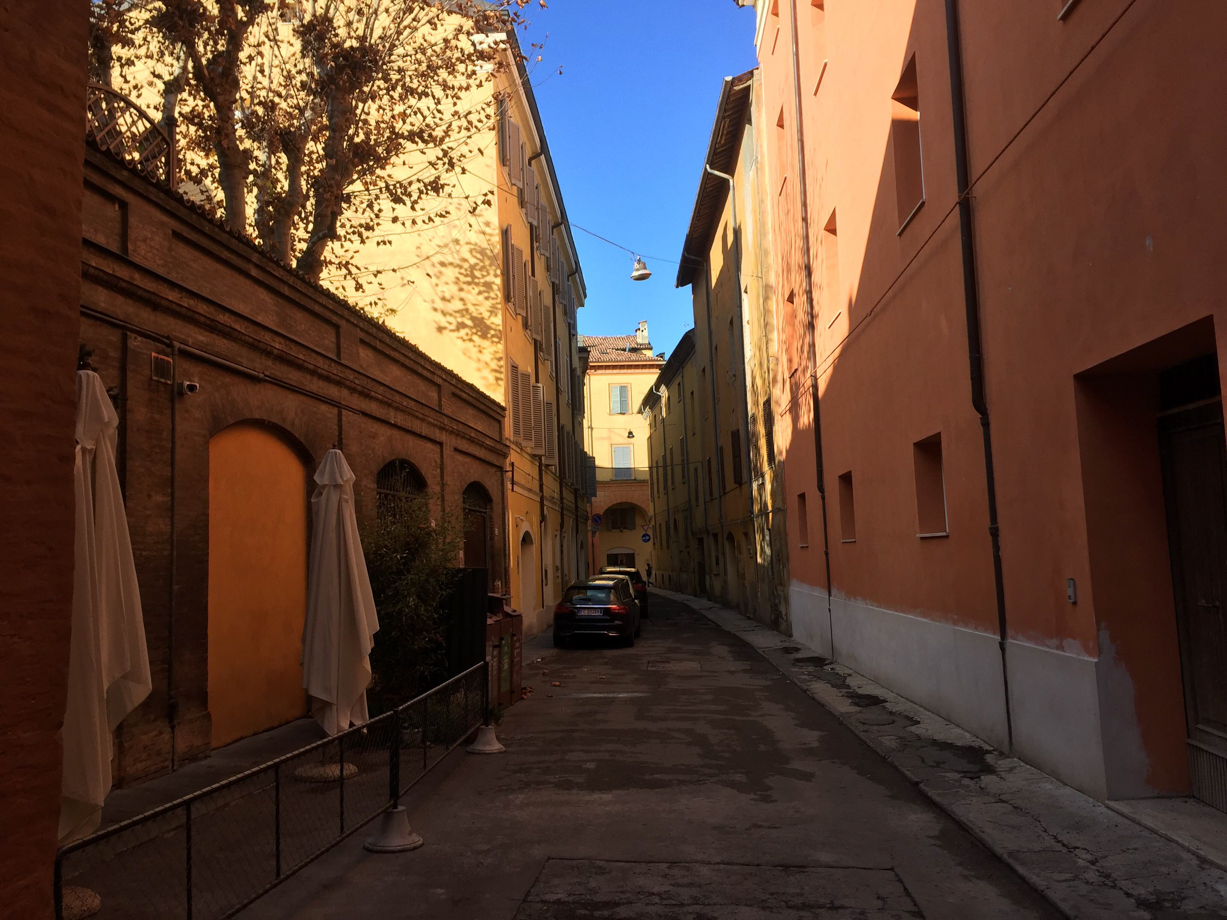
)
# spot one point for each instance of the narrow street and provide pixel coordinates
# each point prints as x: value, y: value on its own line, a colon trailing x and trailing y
x: 684, y: 778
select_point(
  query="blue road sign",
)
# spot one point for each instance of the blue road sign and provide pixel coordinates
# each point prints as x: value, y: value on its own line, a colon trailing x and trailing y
x: 646, y: 538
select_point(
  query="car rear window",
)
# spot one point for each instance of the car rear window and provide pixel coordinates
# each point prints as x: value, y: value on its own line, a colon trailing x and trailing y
x: 592, y: 594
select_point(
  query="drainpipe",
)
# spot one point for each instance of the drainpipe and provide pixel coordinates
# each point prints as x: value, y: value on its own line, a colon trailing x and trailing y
x: 975, y: 351
x: 809, y: 308
x: 172, y: 700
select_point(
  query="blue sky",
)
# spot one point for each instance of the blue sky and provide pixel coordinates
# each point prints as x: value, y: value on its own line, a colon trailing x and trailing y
x: 628, y: 121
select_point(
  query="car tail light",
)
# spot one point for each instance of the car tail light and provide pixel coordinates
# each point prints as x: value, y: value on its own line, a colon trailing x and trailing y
x: 564, y: 608
x: 619, y: 611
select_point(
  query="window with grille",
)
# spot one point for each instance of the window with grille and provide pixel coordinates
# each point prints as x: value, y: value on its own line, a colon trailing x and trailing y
x: 397, y: 483
x: 620, y: 518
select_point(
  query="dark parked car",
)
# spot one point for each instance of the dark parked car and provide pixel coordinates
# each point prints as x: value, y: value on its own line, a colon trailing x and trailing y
x: 597, y: 607
x: 640, y: 583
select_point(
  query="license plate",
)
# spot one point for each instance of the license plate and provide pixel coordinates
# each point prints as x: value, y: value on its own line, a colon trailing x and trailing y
x: 588, y: 612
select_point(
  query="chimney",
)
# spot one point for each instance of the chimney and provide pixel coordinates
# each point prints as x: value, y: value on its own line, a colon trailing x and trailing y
x: 641, y: 334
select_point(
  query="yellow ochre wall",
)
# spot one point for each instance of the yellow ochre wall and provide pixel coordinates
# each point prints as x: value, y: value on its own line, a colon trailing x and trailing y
x: 257, y: 581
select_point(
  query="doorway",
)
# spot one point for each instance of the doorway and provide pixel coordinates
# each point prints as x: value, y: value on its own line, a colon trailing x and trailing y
x: 528, y: 574
x: 257, y: 581
x: 1194, y: 461
x: 732, y: 571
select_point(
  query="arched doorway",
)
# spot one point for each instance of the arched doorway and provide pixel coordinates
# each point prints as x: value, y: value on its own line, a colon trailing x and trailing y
x: 397, y: 483
x: 528, y: 574
x: 477, y: 503
x: 732, y: 571
x: 257, y: 581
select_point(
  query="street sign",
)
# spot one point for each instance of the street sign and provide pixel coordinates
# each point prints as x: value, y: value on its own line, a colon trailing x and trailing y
x: 646, y: 538
x: 596, y: 519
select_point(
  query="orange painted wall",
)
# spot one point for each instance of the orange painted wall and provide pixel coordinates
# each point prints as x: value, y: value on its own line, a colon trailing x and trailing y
x: 258, y: 538
x: 1097, y: 197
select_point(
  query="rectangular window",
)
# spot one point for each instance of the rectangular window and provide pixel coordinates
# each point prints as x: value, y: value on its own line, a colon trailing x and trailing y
x: 672, y: 469
x: 769, y: 432
x: 802, y: 521
x: 930, y: 487
x: 905, y: 136
x: 620, y: 518
x: 619, y: 399
x: 720, y: 470
x: 830, y: 266
x: 735, y: 452
x: 693, y: 416
x: 624, y: 461
x: 847, y: 509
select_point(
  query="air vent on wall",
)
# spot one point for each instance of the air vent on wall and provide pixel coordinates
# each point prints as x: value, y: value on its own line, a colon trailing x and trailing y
x: 162, y: 368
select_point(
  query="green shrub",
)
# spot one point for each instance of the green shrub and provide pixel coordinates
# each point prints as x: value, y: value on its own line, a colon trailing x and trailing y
x: 411, y: 550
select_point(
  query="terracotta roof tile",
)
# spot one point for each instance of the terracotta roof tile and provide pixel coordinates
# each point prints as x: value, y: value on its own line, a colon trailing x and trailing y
x: 617, y: 349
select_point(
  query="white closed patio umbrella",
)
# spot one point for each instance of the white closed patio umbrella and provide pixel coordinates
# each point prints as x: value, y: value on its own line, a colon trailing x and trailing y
x: 108, y: 664
x: 341, y: 621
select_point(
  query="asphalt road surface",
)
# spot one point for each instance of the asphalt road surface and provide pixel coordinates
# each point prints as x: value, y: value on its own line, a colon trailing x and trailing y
x: 685, y: 778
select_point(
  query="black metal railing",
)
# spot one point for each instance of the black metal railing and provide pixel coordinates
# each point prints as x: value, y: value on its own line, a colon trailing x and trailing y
x: 208, y: 855
x: 122, y: 128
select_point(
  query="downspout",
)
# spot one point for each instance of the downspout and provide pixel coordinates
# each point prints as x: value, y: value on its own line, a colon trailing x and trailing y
x: 809, y: 308
x: 975, y: 350
x: 172, y: 700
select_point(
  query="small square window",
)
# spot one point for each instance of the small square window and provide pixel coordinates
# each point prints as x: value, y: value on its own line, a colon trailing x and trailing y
x: 905, y: 137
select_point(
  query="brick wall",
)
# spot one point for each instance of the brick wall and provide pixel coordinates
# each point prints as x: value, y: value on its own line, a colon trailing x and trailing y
x: 42, y: 94
x: 262, y: 345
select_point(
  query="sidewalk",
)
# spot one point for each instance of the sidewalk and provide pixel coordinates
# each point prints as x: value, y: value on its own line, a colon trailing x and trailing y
x: 1087, y: 859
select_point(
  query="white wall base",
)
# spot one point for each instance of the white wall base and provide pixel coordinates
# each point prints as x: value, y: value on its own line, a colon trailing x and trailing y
x: 956, y: 673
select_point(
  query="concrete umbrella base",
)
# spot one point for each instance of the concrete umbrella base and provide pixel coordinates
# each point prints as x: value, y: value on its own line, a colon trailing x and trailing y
x: 394, y: 834
x: 80, y: 903
x: 487, y: 742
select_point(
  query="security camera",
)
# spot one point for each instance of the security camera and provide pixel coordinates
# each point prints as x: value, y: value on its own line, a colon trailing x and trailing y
x: 188, y: 387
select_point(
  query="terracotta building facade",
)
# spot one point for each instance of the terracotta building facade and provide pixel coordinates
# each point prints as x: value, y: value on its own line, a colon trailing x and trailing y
x: 994, y: 237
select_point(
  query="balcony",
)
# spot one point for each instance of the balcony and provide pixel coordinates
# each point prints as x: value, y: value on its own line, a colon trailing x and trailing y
x: 621, y: 474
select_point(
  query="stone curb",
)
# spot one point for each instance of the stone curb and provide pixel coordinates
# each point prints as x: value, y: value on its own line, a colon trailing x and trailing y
x: 1089, y: 861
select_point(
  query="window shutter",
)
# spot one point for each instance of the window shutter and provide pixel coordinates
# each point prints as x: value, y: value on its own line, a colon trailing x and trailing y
x: 503, y: 137
x: 538, y: 404
x: 538, y: 310
x: 515, y: 154
x: 735, y: 449
x: 590, y: 476
x: 508, y: 271
x: 517, y: 423
x: 769, y: 433
x: 753, y: 445
x: 548, y: 341
x: 526, y: 407
x: 551, y: 435
x: 543, y: 218
x: 522, y: 281
x: 530, y: 198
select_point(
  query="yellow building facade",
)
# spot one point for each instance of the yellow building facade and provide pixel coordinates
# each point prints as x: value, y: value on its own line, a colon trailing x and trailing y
x: 621, y: 370
x: 491, y: 291
x: 726, y: 263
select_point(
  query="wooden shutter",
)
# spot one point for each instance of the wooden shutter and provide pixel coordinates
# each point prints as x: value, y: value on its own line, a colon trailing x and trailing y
x: 551, y: 435
x: 515, y: 154
x: 530, y: 198
x: 521, y: 283
x: 538, y: 311
x: 517, y: 416
x: 504, y: 142
x: 538, y: 422
x: 508, y: 262
x: 543, y: 222
x: 548, y: 341
x: 752, y: 444
x: 590, y: 476
x: 735, y: 449
x: 768, y: 433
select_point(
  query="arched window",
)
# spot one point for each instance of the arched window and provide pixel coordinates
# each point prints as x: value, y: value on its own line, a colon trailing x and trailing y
x: 397, y: 482
x: 477, y: 505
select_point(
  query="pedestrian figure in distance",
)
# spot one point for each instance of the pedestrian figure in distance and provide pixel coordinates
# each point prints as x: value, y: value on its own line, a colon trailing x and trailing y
x: 649, y: 571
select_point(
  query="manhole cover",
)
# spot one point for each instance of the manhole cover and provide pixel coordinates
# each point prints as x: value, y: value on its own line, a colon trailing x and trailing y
x: 674, y: 666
